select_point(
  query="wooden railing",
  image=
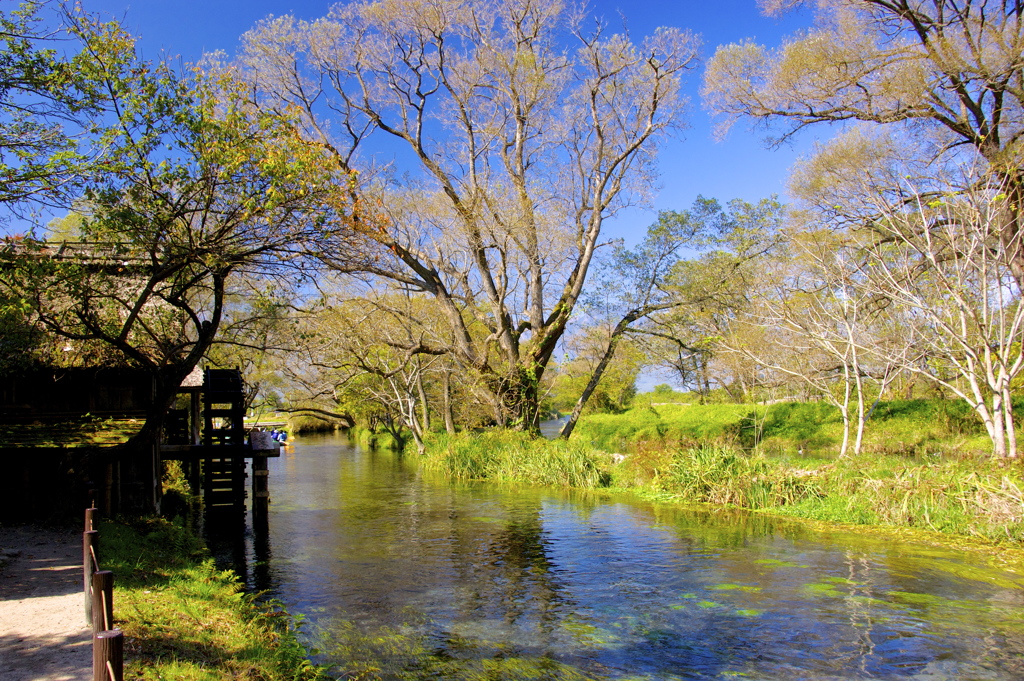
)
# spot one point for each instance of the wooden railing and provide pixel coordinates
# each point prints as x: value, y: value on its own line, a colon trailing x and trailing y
x: 98, y: 585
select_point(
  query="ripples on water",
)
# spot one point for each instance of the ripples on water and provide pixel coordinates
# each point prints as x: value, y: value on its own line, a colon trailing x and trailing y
x: 403, y: 577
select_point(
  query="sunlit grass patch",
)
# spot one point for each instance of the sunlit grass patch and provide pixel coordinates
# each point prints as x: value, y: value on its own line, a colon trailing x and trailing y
x: 512, y: 457
x: 184, y: 619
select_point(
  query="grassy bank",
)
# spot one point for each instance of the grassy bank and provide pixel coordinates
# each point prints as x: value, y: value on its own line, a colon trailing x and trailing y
x: 184, y: 619
x: 374, y: 439
x: 913, y: 476
x: 898, y: 427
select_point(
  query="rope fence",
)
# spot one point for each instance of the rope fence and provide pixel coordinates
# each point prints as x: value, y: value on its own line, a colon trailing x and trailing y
x: 107, y: 642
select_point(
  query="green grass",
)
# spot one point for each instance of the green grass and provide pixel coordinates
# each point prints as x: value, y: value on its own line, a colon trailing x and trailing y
x: 184, y: 619
x: 925, y: 463
x: 899, y: 427
x: 512, y: 457
x: 371, y: 439
x: 969, y: 496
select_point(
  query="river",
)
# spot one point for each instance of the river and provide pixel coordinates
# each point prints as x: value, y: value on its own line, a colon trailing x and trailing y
x: 400, y: 576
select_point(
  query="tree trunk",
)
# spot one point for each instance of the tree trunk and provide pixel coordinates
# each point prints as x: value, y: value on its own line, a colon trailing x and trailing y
x: 449, y: 418
x: 519, y: 399
x: 595, y: 377
x: 1011, y: 429
x: 424, y: 407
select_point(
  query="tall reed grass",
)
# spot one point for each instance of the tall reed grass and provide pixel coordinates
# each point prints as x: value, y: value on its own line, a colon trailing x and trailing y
x: 971, y: 496
x: 697, y: 454
x: 509, y: 456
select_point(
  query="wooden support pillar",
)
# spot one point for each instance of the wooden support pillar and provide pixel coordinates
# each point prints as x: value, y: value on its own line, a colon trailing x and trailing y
x: 260, y: 491
x: 108, y: 489
x: 194, y: 414
x: 156, y: 474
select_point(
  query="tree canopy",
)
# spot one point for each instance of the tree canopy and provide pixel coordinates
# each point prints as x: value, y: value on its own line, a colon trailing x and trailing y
x: 194, y: 186
x: 522, y: 129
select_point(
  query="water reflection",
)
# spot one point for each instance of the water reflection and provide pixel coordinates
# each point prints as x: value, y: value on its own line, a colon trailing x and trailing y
x: 405, y: 577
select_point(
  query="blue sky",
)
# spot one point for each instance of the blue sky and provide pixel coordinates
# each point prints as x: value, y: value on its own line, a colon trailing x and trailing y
x: 738, y: 167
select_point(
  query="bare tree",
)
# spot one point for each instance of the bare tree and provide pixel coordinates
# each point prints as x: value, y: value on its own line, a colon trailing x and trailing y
x: 947, y: 73
x: 375, y: 353
x: 939, y: 263
x: 519, y: 132
x: 818, y: 325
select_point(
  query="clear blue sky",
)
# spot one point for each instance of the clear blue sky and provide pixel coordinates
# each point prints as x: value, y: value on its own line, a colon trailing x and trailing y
x: 738, y: 167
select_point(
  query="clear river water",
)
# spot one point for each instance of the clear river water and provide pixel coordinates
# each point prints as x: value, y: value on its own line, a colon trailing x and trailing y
x: 401, y: 576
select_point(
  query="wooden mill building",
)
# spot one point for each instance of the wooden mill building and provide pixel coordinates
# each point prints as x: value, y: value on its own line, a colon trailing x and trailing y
x: 62, y: 436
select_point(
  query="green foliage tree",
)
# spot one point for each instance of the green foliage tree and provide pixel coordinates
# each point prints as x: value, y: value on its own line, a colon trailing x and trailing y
x: 196, y: 187
x: 634, y: 286
x: 709, y: 291
x: 46, y: 99
x: 381, y: 355
x: 616, y: 386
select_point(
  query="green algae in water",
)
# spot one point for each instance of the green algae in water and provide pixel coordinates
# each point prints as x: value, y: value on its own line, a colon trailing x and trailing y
x: 481, y: 519
x: 749, y: 612
x: 683, y: 606
x: 913, y: 598
x: 707, y: 605
x: 411, y: 657
x: 775, y: 562
x: 839, y: 580
x: 494, y: 669
x: 736, y: 587
x: 587, y: 634
x: 824, y: 589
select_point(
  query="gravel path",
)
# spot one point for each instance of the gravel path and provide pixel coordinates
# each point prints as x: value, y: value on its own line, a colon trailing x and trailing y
x: 43, y: 635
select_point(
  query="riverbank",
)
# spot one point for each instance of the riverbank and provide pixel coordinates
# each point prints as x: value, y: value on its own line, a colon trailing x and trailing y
x: 184, y: 619
x: 963, y: 499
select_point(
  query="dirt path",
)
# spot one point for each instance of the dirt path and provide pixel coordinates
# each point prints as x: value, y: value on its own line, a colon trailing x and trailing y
x: 43, y: 635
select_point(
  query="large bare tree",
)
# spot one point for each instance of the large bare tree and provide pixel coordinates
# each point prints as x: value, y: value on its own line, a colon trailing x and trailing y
x: 515, y: 131
x: 948, y: 74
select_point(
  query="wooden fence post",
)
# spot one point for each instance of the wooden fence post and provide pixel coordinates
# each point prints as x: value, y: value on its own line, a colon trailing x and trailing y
x: 108, y: 656
x: 102, y: 601
x: 89, y: 541
x: 90, y: 519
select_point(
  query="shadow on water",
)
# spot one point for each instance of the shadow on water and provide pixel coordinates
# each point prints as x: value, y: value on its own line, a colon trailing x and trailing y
x: 242, y: 543
x: 400, y: 576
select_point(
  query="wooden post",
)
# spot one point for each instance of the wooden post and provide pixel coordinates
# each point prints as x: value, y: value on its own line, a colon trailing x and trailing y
x: 102, y: 601
x: 108, y: 656
x: 89, y: 542
x: 260, y: 490
x: 194, y: 414
x: 90, y: 518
